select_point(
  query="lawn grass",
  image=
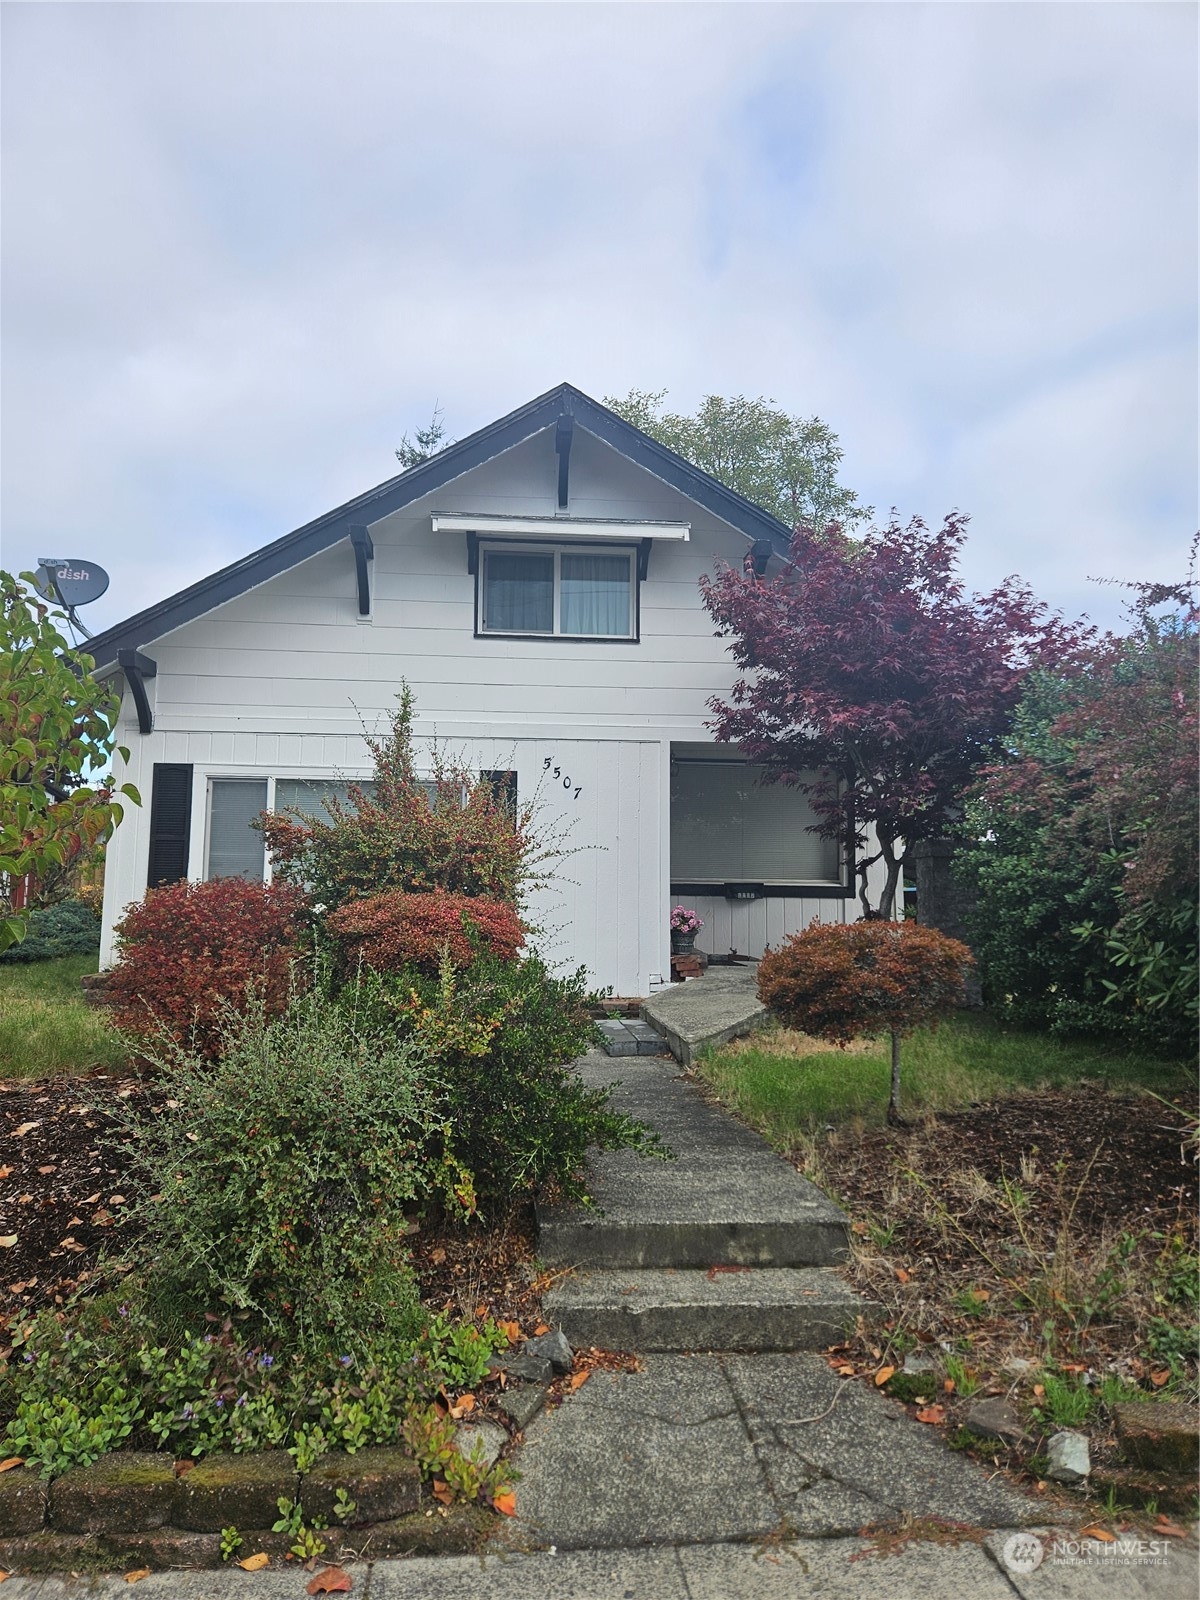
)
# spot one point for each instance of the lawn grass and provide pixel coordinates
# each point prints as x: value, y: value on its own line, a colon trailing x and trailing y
x: 45, y: 1026
x: 789, y: 1086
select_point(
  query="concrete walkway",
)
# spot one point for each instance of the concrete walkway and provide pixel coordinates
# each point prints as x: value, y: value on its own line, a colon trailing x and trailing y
x: 722, y: 1005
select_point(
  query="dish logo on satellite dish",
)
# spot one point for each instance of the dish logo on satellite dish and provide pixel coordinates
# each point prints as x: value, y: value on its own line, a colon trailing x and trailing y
x: 73, y: 582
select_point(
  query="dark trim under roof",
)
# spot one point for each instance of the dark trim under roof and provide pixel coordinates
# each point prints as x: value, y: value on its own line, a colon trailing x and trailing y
x: 527, y: 420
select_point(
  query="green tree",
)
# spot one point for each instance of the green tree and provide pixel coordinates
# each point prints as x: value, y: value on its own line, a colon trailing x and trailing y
x: 56, y: 727
x: 425, y: 442
x: 788, y: 465
x: 1080, y: 844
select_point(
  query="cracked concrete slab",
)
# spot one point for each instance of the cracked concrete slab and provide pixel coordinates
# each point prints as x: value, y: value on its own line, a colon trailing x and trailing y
x: 842, y: 1569
x: 652, y: 1457
x: 1134, y: 1566
x: 863, y: 1441
x: 715, y: 1448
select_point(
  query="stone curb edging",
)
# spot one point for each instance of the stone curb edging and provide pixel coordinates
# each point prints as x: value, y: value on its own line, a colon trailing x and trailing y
x: 134, y: 1507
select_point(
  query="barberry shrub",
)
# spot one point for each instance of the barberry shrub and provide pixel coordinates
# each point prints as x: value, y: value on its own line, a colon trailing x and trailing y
x: 391, y: 930
x: 844, y: 981
x: 190, y: 952
x: 450, y: 832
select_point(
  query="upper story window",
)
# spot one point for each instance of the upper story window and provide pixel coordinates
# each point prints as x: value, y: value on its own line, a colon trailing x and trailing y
x: 564, y: 592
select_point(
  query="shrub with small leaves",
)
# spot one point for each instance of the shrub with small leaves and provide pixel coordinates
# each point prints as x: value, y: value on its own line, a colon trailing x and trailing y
x: 192, y: 951
x: 392, y: 930
x: 276, y: 1176
x: 840, y: 981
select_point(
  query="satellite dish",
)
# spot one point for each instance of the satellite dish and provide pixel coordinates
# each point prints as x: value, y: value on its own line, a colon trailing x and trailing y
x: 73, y: 582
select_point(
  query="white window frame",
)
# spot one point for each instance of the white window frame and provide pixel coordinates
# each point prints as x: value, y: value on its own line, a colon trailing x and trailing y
x: 224, y: 774
x: 510, y: 547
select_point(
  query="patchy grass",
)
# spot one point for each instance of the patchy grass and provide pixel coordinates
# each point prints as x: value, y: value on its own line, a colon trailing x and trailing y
x: 790, y: 1086
x: 46, y: 1028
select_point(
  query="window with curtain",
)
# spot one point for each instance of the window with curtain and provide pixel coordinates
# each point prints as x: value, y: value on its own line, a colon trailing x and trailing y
x: 235, y: 849
x: 581, y: 594
x: 728, y: 826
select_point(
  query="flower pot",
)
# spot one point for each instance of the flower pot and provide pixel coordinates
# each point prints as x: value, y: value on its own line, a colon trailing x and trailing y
x: 682, y: 944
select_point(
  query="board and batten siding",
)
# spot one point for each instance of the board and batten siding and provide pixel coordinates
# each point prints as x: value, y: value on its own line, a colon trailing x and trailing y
x: 282, y: 680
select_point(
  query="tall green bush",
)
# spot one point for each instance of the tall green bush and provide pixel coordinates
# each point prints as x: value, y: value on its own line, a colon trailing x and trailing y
x: 1081, y: 846
x: 276, y: 1177
x: 69, y: 928
x: 500, y: 1038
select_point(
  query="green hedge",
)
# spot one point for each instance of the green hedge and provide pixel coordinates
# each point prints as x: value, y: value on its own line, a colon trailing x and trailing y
x: 69, y: 928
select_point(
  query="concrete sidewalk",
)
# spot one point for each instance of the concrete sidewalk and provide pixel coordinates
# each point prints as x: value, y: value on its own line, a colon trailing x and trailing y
x: 803, y: 1569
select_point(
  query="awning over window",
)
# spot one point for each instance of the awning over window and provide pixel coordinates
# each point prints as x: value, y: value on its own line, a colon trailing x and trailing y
x: 559, y: 528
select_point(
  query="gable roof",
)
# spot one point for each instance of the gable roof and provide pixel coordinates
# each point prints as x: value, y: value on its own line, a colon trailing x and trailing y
x: 534, y: 417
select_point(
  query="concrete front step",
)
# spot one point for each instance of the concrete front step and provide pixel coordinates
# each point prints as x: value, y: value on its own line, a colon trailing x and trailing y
x: 776, y: 1308
x: 803, y: 1232
x: 725, y: 1197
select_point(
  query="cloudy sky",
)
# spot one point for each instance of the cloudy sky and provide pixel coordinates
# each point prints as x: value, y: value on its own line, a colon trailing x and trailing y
x: 247, y: 246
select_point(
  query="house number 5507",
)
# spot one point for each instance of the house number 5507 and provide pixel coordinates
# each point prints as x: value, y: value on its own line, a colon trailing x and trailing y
x: 557, y: 774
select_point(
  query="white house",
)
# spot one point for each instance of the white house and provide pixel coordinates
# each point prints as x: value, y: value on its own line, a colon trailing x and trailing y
x: 536, y: 585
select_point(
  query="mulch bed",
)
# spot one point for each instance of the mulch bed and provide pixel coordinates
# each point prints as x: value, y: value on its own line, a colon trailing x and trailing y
x: 1124, y: 1154
x: 64, y: 1186
x: 1117, y: 1166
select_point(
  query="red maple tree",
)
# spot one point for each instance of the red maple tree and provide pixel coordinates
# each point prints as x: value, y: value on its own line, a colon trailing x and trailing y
x: 867, y: 660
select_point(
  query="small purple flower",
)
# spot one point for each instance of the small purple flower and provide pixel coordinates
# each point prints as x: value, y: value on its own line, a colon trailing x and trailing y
x: 187, y: 1413
x: 122, y: 1311
x: 241, y: 1400
x: 267, y: 1361
x: 218, y: 1402
x: 345, y: 1361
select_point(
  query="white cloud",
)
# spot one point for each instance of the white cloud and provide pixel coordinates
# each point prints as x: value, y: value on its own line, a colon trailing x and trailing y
x: 246, y: 247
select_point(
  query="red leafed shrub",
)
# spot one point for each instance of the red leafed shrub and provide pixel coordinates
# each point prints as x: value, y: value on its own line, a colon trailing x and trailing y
x: 394, y: 929
x: 191, y: 950
x: 842, y: 980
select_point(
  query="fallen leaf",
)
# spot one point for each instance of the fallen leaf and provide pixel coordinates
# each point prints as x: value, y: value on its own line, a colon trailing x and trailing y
x: 334, y: 1580
x: 116, y: 1199
x: 901, y: 1275
x: 182, y: 1467
x: 436, y: 1256
x: 3, y: 1575
x: 1170, y: 1529
x: 466, y: 1403
x: 26, y: 1127
x: 5, y: 1172
x: 932, y: 1414
x: 540, y: 1330
x: 7, y: 1241
x: 442, y: 1492
x: 882, y: 1376
x: 1074, y: 1366
x: 137, y: 1575
x: 90, y: 1201
x: 725, y: 1267
x: 1099, y: 1533
x: 983, y: 1294
x: 510, y: 1330
x: 481, y: 1311
x: 44, y: 1170
x: 845, y: 1372
x: 1039, y: 1389
x: 576, y: 1379
x: 10, y: 1462
x: 1156, y: 1378
x: 255, y: 1563
x: 858, y: 1227
x: 948, y: 1385
x: 506, y: 1503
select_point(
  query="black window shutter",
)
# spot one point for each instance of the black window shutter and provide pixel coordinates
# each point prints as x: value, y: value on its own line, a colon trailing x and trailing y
x: 170, y: 823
